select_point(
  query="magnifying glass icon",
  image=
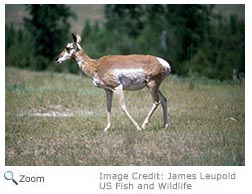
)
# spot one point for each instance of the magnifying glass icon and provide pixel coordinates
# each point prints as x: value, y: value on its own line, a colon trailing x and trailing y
x: 8, y: 175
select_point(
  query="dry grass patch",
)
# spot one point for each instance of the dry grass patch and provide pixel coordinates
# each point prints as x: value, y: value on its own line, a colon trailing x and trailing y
x: 206, y: 124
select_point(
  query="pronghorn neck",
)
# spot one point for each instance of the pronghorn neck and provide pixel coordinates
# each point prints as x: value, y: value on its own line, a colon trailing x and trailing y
x: 81, y: 57
x: 85, y: 62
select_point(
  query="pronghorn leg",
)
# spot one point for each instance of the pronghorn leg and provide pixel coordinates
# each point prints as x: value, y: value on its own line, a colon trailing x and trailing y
x: 147, y: 119
x: 109, y: 95
x: 153, y: 88
x: 119, y: 92
x: 164, y: 107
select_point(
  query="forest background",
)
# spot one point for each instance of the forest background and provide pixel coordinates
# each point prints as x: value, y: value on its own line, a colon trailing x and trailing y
x: 198, y: 40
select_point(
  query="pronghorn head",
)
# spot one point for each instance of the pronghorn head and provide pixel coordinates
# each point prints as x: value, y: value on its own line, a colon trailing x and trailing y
x: 70, y: 49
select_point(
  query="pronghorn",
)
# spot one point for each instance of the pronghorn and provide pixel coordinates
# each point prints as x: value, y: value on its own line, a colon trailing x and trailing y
x: 115, y: 73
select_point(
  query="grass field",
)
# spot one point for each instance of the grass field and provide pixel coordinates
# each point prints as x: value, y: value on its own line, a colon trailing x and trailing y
x: 57, y: 119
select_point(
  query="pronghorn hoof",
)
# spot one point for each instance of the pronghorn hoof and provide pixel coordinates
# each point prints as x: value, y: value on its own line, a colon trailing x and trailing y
x: 144, y: 125
x: 139, y: 128
x: 106, y: 129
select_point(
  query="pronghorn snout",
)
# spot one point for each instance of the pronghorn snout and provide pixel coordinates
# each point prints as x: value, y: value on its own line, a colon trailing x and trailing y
x: 56, y: 60
x: 59, y: 59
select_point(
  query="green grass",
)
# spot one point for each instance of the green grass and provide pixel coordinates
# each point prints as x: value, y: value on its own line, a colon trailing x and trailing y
x: 206, y: 124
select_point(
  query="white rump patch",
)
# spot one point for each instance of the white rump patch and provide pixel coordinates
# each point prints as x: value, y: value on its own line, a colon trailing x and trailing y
x: 165, y: 64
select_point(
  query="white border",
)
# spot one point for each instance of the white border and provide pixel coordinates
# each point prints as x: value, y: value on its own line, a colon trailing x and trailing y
x: 85, y: 179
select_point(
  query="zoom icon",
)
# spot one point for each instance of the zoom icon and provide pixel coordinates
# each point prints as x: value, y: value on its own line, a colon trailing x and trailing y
x: 8, y: 175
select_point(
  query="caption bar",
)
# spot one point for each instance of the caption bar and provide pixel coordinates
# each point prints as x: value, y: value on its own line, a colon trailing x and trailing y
x: 158, y: 182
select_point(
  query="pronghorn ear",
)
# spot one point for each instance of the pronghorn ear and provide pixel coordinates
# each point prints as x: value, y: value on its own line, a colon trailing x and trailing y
x: 76, y: 38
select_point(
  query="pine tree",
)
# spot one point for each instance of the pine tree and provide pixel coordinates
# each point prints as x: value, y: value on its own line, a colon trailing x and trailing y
x: 48, y: 26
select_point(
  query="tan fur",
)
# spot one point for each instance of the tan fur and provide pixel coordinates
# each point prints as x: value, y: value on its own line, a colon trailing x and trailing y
x: 105, y: 65
x: 102, y: 71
